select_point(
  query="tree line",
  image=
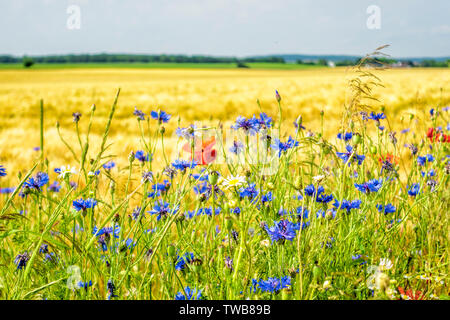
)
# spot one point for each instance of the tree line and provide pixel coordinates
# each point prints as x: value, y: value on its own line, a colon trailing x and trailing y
x: 135, y: 58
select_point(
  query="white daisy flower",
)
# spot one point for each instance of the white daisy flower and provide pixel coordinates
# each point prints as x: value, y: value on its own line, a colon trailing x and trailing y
x: 385, y: 264
x: 233, y: 181
x: 67, y: 171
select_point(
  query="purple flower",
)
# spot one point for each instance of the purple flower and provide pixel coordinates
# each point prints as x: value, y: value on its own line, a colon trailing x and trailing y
x: 282, y: 230
x: 370, y: 186
x: 272, y: 284
x: 139, y: 114
x: 81, y: 204
x: 284, y: 146
x: 414, y: 190
x: 162, y: 209
x: 162, y: 116
x: 389, y: 208
x: 36, y: 182
x: 182, y: 165
x: 345, y: 156
x: 109, y: 165
x: 141, y: 156
x: 248, y: 125
x: 237, y: 147
x: 189, y: 294
x: 345, y: 136
x: 2, y: 171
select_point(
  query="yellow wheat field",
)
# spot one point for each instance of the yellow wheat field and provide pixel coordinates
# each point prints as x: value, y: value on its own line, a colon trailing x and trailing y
x: 194, y: 95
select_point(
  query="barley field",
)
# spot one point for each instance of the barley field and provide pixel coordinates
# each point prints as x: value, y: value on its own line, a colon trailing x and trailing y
x: 206, y: 96
x: 333, y: 185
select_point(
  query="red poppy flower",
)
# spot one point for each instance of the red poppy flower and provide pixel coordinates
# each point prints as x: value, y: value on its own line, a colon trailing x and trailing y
x: 435, y: 136
x: 203, y: 150
x: 410, y: 295
x: 388, y: 157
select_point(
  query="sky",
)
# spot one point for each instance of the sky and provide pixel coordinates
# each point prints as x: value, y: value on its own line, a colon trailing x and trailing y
x: 412, y: 28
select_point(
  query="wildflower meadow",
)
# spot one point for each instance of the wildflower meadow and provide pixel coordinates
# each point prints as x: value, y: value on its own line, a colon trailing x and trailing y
x: 262, y: 209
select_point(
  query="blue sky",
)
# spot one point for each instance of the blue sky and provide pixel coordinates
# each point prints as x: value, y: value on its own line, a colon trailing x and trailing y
x: 413, y: 28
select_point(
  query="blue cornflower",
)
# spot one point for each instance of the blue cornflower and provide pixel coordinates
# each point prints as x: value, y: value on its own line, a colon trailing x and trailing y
x: 51, y: 256
x: 189, y: 294
x: 347, y: 205
x: 104, y: 234
x: 36, y: 182
x: 54, y: 187
x: 370, y: 186
x: 272, y: 284
x: 267, y: 197
x: 414, y: 190
x: 207, y: 190
x: 109, y: 165
x: 81, y: 204
x: 310, y: 190
x: 158, y: 188
x: 324, y: 198
x: 359, y: 258
x: 249, y: 191
x: 263, y: 121
x: 201, y: 188
x: 248, y: 125
x: 431, y: 173
x: 147, y: 176
x: 297, y: 197
x: 389, y: 208
x: 162, y: 209
x: 345, y: 156
x: 282, y: 230
x: 284, y: 146
x: 302, y: 213
x: 162, y: 116
x: 421, y: 161
x: 345, y: 136
x: 111, y: 289
x: 405, y: 130
x: 298, y: 124
x: 84, y: 285
x: 187, y: 133
x: 139, y: 114
x: 237, y: 147
x: 330, y: 213
x: 108, y: 231
x: 141, y: 156
x: 189, y: 214
x: 202, y: 176
x: 236, y: 210
x: 182, y: 165
x: 377, y: 116
x: 208, y: 211
x: 182, y: 261
x: 43, y: 248
x: 137, y: 212
x: 7, y: 190
x: 21, y: 260
x: 2, y: 171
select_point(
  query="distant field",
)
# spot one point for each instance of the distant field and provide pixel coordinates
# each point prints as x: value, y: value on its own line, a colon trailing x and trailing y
x: 205, y: 95
x: 256, y: 65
